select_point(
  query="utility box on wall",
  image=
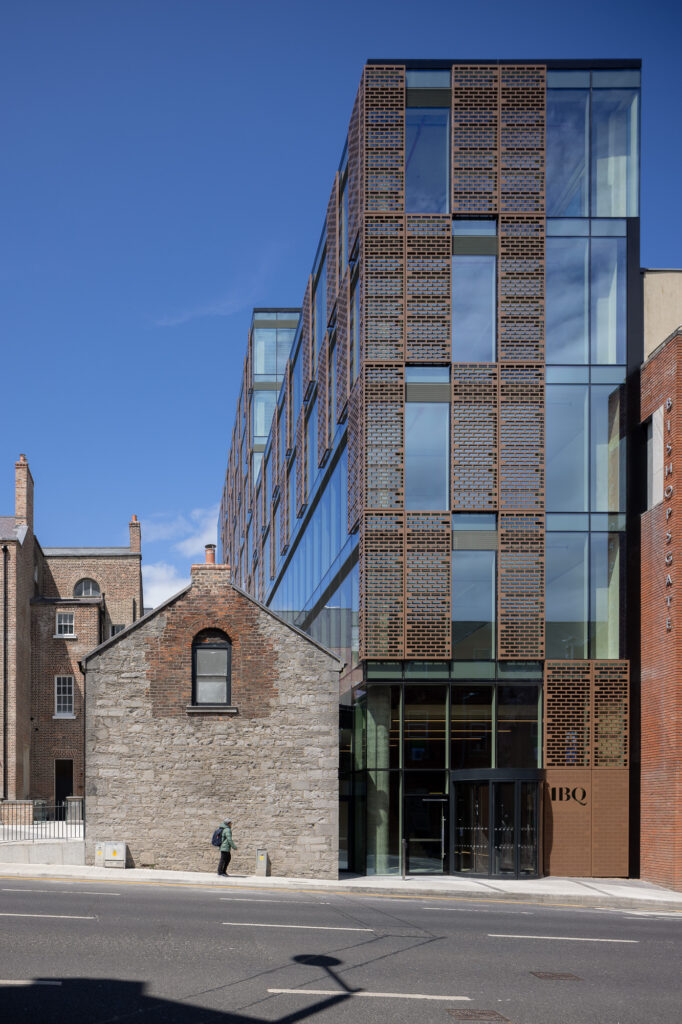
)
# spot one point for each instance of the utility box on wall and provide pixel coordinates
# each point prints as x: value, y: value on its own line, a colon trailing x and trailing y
x: 111, y: 855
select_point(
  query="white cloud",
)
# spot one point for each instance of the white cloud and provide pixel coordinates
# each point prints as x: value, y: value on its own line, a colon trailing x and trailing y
x: 245, y: 291
x: 204, y: 527
x: 160, y: 581
x: 161, y: 526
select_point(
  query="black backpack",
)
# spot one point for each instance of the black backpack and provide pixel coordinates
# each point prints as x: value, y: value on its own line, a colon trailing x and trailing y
x: 217, y: 837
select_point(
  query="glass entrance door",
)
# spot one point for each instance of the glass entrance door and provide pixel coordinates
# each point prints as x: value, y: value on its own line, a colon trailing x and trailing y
x: 471, y: 846
x: 426, y: 833
x: 494, y: 826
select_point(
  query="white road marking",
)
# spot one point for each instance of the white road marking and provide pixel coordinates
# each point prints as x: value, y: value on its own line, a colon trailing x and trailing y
x: 305, y: 927
x: 64, y: 892
x: 365, y: 995
x: 15, y: 983
x: 61, y: 917
x: 252, y: 899
x: 560, y: 938
x: 463, y: 910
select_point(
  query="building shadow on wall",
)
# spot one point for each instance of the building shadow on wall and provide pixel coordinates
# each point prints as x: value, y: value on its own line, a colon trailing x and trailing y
x: 111, y: 1001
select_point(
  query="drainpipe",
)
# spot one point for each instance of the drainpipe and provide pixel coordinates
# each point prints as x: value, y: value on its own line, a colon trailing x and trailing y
x: 5, y: 604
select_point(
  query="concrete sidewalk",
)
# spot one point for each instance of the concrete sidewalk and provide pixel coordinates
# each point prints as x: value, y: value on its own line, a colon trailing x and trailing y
x: 577, y: 892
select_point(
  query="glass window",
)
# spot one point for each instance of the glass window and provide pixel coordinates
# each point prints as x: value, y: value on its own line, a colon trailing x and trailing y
x: 354, y: 330
x: 320, y: 306
x: 473, y: 309
x: 427, y: 155
x: 607, y: 312
x: 65, y: 624
x: 517, y: 727
x: 566, y: 597
x: 607, y: 463
x: 63, y: 696
x: 211, y: 663
x: 263, y: 409
x: 256, y: 460
x: 474, y: 521
x: 427, y: 455
x: 606, y: 566
x: 470, y: 228
x: 471, y: 727
x: 297, y: 385
x: 567, y: 300
x: 383, y: 727
x: 285, y: 338
x: 383, y: 822
x: 427, y: 79
x: 86, y: 588
x: 427, y: 374
x: 566, y: 447
x: 264, y: 354
x: 567, y: 152
x: 331, y: 391
x: 473, y: 605
x: 311, y: 446
x: 615, y: 152
x: 424, y: 727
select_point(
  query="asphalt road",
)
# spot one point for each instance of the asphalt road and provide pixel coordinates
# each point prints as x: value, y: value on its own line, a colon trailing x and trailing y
x: 144, y: 952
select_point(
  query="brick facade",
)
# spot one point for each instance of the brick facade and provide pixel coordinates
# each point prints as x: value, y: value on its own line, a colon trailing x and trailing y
x: 162, y: 773
x: 661, y: 700
x: 40, y: 583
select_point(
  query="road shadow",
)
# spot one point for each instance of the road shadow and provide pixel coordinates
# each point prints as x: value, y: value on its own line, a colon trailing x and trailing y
x: 110, y: 1001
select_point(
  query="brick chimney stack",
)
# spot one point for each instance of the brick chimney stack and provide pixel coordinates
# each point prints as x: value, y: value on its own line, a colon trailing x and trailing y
x: 23, y: 493
x: 135, y: 536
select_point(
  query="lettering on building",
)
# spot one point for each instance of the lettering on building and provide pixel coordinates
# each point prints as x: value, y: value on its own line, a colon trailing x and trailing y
x: 563, y: 794
x: 668, y: 493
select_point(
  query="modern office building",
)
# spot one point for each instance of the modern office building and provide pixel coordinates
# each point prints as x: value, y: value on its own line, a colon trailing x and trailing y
x: 446, y: 496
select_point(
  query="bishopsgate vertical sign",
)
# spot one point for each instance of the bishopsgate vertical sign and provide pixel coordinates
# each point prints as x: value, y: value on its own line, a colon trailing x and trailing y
x: 668, y: 493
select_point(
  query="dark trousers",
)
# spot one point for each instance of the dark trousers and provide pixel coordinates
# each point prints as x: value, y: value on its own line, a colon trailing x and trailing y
x: 225, y: 858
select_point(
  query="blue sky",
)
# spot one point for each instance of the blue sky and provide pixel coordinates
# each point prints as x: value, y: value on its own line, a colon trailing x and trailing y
x: 165, y: 166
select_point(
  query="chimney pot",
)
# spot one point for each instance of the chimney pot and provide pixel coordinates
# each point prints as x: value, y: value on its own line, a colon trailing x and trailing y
x: 210, y: 554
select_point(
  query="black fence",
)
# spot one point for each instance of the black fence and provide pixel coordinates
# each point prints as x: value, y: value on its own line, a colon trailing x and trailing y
x: 24, y: 821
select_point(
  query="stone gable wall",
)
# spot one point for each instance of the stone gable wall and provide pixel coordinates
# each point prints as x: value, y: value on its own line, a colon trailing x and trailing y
x: 161, y: 778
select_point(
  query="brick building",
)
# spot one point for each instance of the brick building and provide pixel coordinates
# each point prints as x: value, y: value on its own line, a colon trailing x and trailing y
x: 661, y: 552
x: 209, y: 705
x: 55, y: 605
x: 444, y: 495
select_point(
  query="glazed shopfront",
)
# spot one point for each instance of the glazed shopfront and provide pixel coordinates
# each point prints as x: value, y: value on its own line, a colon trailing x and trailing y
x: 447, y: 771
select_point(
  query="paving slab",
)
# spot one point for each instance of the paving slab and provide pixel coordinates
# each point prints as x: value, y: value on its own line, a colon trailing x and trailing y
x: 583, y: 892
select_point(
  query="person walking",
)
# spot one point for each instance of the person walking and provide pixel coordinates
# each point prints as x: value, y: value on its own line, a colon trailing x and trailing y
x: 225, y: 846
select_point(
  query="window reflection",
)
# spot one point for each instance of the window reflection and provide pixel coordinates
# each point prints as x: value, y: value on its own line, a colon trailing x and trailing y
x: 263, y: 409
x: 566, y: 448
x: 567, y: 300
x: 427, y: 151
x: 567, y: 152
x: 471, y: 727
x: 566, y: 595
x: 608, y: 300
x: 473, y: 308
x: 424, y: 726
x: 605, y: 606
x: 607, y: 457
x: 427, y: 460
x: 473, y: 604
x: 615, y: 152
x: 517, y: 727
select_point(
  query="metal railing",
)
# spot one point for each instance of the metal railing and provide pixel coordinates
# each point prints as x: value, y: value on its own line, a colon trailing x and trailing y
x: 24, y: 821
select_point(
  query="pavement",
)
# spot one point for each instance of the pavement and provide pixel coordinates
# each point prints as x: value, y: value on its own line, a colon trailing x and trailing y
x: 567, y: 892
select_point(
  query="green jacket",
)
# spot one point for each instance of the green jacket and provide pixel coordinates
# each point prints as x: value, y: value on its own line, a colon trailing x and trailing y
x: 227, y: 843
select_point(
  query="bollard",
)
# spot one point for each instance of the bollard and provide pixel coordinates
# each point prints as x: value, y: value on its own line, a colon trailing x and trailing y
x: 262, y: 863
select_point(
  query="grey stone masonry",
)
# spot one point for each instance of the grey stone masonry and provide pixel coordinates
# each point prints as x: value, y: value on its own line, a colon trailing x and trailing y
x: 162, y: 773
